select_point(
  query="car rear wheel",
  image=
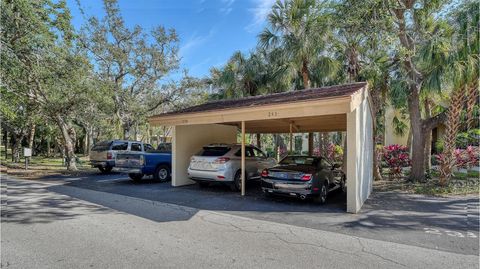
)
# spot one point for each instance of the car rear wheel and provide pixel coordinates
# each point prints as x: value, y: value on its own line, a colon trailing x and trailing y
x: 162, y: 173
x: 343, y: 184
x: 237, y: 181
x: 322, y: 197
x: 135, y: 177
x: 106, y: 169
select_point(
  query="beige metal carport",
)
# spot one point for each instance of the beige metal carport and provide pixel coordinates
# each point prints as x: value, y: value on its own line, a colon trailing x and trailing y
x: 327, y: 109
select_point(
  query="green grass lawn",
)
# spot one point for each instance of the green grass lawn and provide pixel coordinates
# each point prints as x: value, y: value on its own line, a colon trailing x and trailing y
x: 41, y: 161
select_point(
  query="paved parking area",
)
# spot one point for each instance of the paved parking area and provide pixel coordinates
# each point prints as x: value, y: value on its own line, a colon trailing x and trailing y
x: 448, y: 224
x: 53, y: 225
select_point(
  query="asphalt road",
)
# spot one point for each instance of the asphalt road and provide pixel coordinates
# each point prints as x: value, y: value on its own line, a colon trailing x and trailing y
x: 109, y: 222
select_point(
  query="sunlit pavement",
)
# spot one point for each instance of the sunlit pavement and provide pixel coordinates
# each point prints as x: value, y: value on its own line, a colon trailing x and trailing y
x: 108, y: 221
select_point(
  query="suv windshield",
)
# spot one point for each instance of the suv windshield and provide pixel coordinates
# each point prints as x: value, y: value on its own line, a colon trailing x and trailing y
x: 102, y: 146
x: 213, y: 151
x: 299, y: 160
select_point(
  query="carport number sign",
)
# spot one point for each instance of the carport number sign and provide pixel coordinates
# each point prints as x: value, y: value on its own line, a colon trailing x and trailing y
x: 273, y: 114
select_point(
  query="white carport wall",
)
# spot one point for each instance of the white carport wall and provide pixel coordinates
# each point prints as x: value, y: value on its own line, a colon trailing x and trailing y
x: 328, y: 109
x: 359, y: 154
x: 189, y: 139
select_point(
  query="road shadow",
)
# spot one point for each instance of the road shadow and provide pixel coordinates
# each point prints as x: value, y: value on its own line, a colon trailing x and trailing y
x: 383, y: 210
x: 216, y: 197
x: 30, y: 203
x: 400, y: 211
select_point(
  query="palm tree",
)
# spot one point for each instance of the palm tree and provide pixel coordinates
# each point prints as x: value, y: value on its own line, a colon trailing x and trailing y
x: 463, y: 73
x: 298, y: 29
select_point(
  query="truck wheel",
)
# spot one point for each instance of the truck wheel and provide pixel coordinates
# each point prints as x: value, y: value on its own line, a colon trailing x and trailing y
x: 237, y: 182
x: 162, y: 173
x: 135, y: 177
x: 106, y: 169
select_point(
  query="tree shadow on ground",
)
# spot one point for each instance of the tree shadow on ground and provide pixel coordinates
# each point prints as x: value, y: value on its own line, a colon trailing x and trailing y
x: 29, y: 203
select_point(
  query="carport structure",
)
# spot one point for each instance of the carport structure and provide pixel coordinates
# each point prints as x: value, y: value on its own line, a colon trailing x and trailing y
x: 327, y: 109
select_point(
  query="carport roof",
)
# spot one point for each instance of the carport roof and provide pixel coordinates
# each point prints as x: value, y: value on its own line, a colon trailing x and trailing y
x: 320, y: 109
x: 276, y: 98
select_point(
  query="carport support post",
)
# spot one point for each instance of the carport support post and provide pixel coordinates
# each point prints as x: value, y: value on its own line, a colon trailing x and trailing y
x: 243, y: 158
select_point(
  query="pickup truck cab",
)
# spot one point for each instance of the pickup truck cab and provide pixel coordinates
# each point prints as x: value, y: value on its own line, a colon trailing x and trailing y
x: 103, y: 154
x: 152, y: 162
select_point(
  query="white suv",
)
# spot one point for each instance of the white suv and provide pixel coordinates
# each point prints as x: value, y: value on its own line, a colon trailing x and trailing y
x: 222, y: 163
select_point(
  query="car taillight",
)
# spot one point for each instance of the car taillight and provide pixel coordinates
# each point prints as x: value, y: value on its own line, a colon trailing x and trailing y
x: 264, y: 173
x: 306, y: 177
x: 109, y: 156
x: 222, y: 160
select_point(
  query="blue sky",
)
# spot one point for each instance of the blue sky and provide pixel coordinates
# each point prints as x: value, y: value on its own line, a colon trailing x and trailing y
x: 209, y: 30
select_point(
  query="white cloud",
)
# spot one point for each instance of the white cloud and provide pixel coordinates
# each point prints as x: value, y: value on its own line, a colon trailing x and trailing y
x: 194, y: 41
x: 228, y: 2
x: 260, y: 12
x: 227, y: 7
x: 226, y: 10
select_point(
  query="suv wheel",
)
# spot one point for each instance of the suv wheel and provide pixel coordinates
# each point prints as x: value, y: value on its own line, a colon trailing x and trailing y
x: 162, y: 173
x: 106, y: 169
x: 237, y: 182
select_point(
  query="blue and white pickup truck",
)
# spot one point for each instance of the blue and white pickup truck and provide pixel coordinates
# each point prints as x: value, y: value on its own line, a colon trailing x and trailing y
x: 139, y: 164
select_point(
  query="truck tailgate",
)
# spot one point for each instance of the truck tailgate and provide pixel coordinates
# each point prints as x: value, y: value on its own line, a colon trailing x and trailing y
x: 129, y: 160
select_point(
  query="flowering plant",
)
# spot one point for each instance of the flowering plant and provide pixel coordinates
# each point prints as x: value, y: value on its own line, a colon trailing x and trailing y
x: 468, y: 157
x: 396, y: 157
x: 334, y: 153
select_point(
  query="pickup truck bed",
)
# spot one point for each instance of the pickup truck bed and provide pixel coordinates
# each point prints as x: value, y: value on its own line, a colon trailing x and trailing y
x: 138, y: 164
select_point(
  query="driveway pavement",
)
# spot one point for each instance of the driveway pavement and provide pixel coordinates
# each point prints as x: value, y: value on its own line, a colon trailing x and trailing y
x: 450, y: 224
x: 66, y: 215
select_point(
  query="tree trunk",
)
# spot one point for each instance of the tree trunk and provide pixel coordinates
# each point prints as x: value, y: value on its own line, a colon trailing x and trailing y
x: 428, y: 138
x: 310, y: 144
x: 90, y: 139
x: 418, y: 138
x: 472, y: 99
x: 377, y: 100
x: 6, y: 144
x: 305, y: 76
x: 453, y: 124
x: 48, y: 147
x: 324, y: 140
x: 127, y: 127
x: 85, y: 142
x: 428, y: 150
x: 31, y: 137
x: 17, y: 147
x: 68, y: 143
x: 259, y: 143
